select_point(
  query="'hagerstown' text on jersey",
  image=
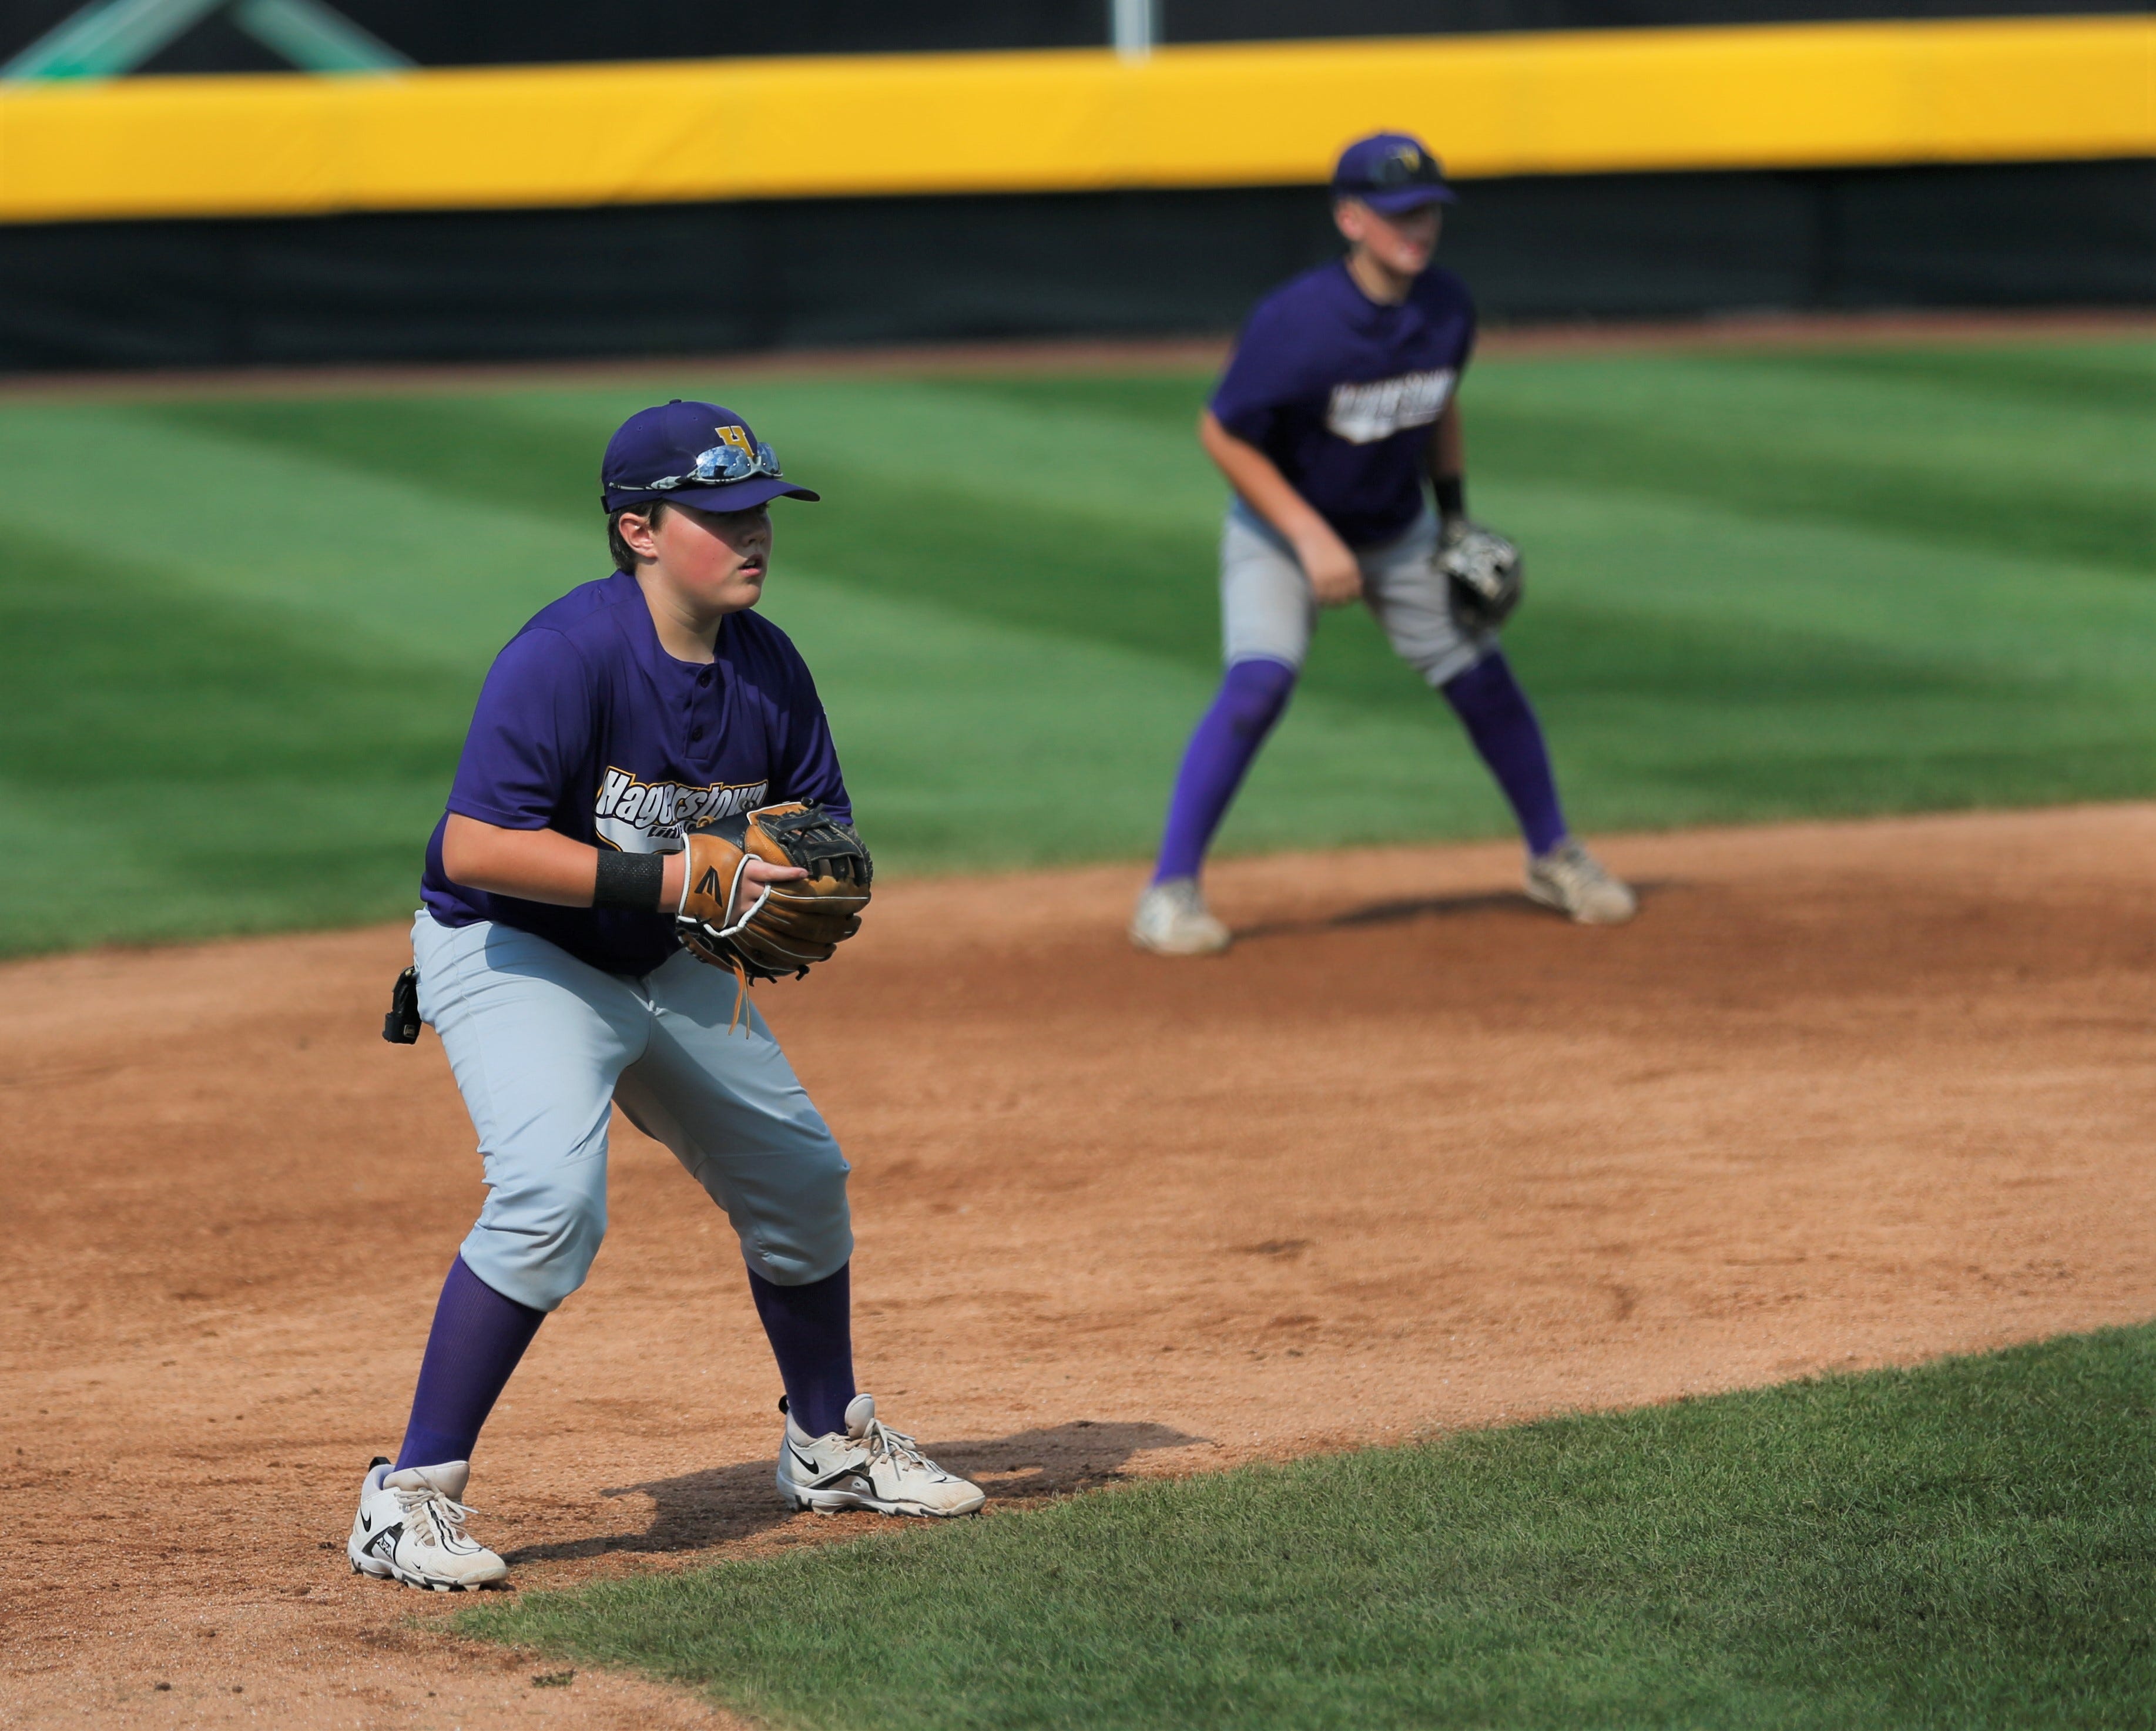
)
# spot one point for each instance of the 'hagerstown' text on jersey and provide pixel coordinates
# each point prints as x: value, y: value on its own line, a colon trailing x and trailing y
x: 649, y: 817
x: 1364, y: 414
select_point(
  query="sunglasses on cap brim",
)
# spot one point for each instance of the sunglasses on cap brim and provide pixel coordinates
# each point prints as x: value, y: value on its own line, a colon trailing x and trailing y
x: 1395, y: 173
x: 716, y: 467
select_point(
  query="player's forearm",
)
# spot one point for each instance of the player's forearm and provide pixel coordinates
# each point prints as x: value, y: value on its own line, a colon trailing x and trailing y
x: 1256, y: 476
x: 535, y: 865
x: 1448, y: 463
x: 1448, y: 445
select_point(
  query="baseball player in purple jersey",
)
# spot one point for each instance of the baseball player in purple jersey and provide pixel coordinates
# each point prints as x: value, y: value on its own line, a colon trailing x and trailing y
x: 1337, y: 419
x: 650, y: 703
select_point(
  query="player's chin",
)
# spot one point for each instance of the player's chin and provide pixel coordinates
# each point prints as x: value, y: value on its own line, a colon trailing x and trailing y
x: 743, y: 588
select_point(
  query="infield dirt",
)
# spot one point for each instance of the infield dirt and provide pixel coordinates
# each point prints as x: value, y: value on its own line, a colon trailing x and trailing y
x: 1413, y: 1156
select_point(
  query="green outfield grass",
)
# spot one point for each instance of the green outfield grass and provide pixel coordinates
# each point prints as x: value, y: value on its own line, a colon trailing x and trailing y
x: 240, y: 637
x: 1970, y: 1544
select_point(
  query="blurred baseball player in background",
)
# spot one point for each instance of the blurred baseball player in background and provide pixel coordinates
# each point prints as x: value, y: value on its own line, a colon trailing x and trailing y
x: 611, y: 872
x: 1338, y: 407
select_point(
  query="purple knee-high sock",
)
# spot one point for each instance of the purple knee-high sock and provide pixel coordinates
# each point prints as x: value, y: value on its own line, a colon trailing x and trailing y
x: 476, y: 1340
x: 1505, y: 732
x: 810, y: 1328
x: 1252, y: 696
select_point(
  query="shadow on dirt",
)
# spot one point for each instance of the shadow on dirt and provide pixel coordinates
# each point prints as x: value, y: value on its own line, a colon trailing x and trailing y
x: 699, y: 1511
x: 1394, y: 913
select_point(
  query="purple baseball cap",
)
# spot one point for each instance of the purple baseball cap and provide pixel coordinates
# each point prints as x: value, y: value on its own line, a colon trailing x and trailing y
x: 691, y: 454
x: 1391, y: 172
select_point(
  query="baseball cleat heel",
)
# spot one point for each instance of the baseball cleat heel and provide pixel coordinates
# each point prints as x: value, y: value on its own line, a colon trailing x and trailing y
x: 1578, y: 886
x: 868, y: 1466
x: 410, y: 1528
x: 1172, y: 919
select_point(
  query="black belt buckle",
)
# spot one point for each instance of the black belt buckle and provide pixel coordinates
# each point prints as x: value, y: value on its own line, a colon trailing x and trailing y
x: 401, y: 1026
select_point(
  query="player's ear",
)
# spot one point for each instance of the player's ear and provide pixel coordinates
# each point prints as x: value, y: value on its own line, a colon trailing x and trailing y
x: 632, y: 536
x: 1348, y: 218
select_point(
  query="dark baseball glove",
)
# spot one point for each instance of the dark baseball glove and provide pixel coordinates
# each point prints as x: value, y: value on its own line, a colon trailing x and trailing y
x: 1486, y: 572
x: 766, y: 931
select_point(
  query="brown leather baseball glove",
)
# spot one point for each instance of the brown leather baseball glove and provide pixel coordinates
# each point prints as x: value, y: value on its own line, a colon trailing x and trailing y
x: 766, y: 931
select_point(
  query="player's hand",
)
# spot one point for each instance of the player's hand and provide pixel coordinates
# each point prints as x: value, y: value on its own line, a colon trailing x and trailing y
x: 772, y: 892
x: 760, y: 871
x: 1335, y: 579
x: 738, y: 899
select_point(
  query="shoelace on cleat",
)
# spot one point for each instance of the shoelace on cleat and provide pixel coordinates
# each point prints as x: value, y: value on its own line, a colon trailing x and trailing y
x: 1575, y: 866
x: 1185, y: 901
x: 438, y: 1519
x: 897, y: 1447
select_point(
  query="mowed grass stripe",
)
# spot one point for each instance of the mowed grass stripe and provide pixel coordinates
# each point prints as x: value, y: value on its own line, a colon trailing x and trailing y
x: 174, y: 762
x: 329, y: 546
x: 1964, y: 1545
x: 1009, y: 599
x: 1816, y: 668
x: 2061, y: 474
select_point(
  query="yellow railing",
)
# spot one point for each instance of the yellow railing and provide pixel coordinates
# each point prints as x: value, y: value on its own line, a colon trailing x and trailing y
x: 1242, y: 115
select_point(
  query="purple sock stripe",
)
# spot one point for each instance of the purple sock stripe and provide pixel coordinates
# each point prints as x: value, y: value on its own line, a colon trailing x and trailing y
x: 1253, y: 695
x: 477, y: 1338
x: 1503, y: 727
x: 810, y: 1328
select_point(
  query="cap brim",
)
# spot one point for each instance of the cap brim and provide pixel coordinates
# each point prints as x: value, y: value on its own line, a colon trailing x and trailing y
x: 1397, y: 200
x: 741, y: 496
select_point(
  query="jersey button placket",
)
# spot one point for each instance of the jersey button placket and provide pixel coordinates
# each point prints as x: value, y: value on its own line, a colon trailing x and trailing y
x: 695, y: 720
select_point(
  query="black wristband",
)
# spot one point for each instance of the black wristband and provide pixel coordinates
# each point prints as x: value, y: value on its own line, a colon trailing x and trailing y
x: 629, y: 880
x: 1452, y: 495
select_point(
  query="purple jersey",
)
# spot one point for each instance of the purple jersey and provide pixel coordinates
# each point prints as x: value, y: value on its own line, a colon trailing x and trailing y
x: 586, y: 724
x: 1340, y: 393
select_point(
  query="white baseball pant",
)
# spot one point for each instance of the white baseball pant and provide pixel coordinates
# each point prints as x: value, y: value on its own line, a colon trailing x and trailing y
x: 541, y: 1044
x: 1268, y: 612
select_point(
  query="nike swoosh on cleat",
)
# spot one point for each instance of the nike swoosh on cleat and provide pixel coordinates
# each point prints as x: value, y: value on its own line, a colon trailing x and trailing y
x: 831, y: 1480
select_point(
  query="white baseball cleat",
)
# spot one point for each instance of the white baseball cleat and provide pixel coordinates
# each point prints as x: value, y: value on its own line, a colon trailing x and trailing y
x: 1575, y: 883
x: 411, y: 1528
x: 1172, y: 919
x: 868, y: 1466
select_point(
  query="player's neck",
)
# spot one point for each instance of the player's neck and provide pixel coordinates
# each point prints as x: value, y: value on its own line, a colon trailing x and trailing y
x: 685, y: 632
x: 1382, y: 283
